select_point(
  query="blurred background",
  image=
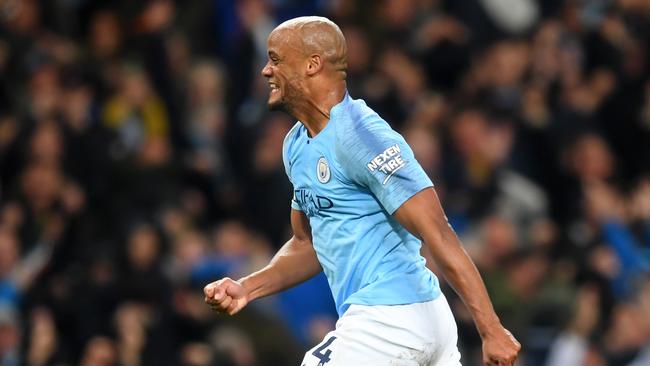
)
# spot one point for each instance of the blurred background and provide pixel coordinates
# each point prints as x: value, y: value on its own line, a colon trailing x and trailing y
x: 138, y: 162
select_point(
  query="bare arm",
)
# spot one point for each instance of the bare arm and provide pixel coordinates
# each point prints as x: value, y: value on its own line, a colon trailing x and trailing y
x: 293, y: 264
x: 423, y: 216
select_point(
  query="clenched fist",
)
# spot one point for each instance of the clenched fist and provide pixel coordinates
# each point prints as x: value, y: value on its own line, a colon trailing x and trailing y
x: 500, y: 348
x: 226, y: 296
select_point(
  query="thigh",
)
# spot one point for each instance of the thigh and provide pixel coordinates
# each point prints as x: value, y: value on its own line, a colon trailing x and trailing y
x: 351, y: 350
x: 445, y: 333
x: 449, y: 358
x: 323, y: 353
x: 370, y: 335
x: 422, y: 334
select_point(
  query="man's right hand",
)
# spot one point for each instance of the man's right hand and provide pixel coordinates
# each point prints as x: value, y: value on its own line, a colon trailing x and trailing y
x: 226, y: 296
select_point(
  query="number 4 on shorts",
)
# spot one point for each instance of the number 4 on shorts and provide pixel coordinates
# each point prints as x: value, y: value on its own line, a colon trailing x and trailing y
x: 324, y: 357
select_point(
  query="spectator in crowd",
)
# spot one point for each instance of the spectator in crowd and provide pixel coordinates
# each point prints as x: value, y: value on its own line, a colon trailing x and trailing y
x: 10, y: 334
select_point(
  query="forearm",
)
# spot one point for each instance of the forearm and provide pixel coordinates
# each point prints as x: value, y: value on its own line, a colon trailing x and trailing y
x: 463, y: 276
x: 423, y: 216
x: 293, y: 264
x: 29, y: 268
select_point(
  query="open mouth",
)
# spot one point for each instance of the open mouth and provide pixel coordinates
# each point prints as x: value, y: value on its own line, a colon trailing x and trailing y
x: 274, y: 87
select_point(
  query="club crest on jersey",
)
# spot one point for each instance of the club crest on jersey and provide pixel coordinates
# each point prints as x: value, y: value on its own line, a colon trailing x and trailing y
x: 323, y: 170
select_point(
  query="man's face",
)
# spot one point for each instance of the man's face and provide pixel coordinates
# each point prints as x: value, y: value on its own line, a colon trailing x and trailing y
x: 282, y: 70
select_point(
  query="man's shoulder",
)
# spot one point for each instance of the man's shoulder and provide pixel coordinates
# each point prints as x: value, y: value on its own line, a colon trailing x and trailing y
x: 288, y: 146
x: 291, y: 137
x: 360, y: 129
x: 359, y: 123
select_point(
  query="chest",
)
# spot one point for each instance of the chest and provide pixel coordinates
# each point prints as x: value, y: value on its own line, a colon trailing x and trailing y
x: 321, y: 187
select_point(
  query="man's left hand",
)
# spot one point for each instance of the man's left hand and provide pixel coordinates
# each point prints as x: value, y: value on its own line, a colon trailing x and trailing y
x: 500, y: 348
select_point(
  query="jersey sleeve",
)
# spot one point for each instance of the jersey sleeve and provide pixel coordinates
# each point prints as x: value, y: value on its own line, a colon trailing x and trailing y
x: 375, y: 156
x: 287, y: 163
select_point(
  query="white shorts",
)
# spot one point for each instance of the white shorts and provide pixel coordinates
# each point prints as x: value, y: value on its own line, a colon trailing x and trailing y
x: 421, y: 334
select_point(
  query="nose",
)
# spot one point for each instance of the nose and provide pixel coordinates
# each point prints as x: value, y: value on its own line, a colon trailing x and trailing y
x: 266, y: 70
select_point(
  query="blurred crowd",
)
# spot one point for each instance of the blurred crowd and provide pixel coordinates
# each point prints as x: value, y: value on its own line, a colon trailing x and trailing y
x: 138, y: 162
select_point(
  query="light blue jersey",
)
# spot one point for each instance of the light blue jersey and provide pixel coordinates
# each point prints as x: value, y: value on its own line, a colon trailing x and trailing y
x: 349, y: 179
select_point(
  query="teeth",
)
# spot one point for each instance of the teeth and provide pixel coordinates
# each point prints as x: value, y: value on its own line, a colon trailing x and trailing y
x: 273, y: 86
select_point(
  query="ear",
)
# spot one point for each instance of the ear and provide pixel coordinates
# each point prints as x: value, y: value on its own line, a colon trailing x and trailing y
x: 314, y: 64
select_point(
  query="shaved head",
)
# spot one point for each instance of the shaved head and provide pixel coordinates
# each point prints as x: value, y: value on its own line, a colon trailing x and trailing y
x: 316, y: 35
x: 306, y: 69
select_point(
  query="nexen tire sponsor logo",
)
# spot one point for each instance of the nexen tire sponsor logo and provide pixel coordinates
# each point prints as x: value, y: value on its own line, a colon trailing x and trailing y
x: 387, y: 162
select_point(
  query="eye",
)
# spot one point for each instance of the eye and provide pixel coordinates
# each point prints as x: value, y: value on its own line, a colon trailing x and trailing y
x: 274, y: 58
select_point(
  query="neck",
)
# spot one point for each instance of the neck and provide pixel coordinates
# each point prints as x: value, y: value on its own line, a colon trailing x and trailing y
x: 313, y: 110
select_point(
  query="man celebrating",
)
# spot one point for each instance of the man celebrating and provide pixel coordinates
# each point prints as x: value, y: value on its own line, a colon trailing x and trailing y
x: 361, y: 207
